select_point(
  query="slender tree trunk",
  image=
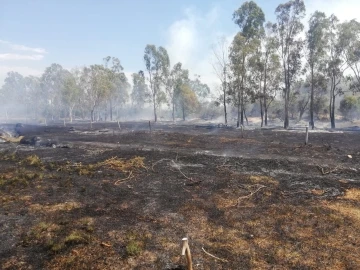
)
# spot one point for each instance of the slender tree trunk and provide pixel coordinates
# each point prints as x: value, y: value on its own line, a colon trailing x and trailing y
x: 261, y: 113
x: 333, y: 112
x: 70, y: 114
x: 173, y: 109
x: 111, y: 109
x: 312, y: 99
x: 287, y: 95
x: 287, y: 99
x: 224, y: 89
x: 155, y: 114
x: 247, y: 122
x: 238, y: 109
x: 266, y: 115
x: 183, y: 111
x: 264, y: 97
x: 242, y: 106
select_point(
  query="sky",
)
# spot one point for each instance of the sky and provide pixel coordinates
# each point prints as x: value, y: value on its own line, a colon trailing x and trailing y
x: 36, y: 33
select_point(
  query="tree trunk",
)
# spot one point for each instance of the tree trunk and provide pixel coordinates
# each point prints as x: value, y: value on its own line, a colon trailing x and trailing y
x: 261, y: 113
x: 183, y: 111
x: 312, y: 99
x: 92, y: 116
x: 266, y: 114
x: 173, y: 110
x: 238, y: 115
x: 224, y: 89
x: 333, y: 113
x: 155, y: 114
x: 286, y: 116
x: 242, y: 107
x: 70, y: 114
x: 247, y: 122
x: 111, y: 109
x: 238, y: 109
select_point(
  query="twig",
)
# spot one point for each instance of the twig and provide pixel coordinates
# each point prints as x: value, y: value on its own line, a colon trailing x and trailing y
x: 328, y: 172
x: 185, y: 175
x: 252, y: 193
x: 123, y: 180
x: 161, y: 160
x: 223, y: 260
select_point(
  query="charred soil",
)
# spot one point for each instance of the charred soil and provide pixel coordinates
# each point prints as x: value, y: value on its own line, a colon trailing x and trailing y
x: 110, y: 198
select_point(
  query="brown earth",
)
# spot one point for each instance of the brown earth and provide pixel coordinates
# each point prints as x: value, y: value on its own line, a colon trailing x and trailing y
x: 123, y: 199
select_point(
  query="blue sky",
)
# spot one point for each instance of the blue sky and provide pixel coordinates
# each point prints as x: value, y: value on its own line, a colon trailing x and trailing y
x: 36, y: 33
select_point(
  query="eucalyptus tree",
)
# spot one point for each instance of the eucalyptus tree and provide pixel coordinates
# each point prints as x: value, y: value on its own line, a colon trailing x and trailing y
x: 96, y: 84
x: 335, y: 66
x: 13, y: 92
x: 52, y: 82
x: 186, y: 98
x: 118, y: 91
x: 250, y: 18
x: 316, y: 50
x: 288, y: 29
x: 349, y: 42
x: 202, y: 90
x: 140, y: 92
x: 70, y: 94
x: 221, y: 69
x: 176, y: 78
x: 33, y: 94
x: 157, y: 64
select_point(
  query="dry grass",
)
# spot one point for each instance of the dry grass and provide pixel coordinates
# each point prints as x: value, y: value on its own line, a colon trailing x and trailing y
x: 12, y: 139
x: 67, y: 206
x: 123, y: 165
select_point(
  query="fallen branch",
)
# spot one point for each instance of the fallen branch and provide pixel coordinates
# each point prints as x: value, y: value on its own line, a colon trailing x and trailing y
x: 123, y: 180
x: 223, y: 260
x: 323, y: 172
x: 105, y: 244
x: 247, y: 196
x: 185, y: 175
x: 159, y: 161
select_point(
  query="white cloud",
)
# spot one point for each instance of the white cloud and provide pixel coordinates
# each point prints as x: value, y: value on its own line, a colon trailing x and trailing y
x: 18, y: 47
x: 345, y: 10
x: 190, y: 41
x: 14, y: 56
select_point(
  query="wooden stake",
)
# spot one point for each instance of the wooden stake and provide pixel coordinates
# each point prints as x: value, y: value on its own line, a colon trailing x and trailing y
x: 307, y: 135
x: 150, y: 126
x: 119, y: 125
x: 186, y: 251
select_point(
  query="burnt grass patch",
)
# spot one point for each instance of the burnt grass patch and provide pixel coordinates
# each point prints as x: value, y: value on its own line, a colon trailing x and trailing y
x: 124, y: 199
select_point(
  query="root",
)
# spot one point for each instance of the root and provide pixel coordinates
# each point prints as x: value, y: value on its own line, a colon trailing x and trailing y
x: 118, y: 182
x: 213, y: 256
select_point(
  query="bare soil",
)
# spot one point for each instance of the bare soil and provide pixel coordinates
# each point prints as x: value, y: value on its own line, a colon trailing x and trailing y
x: 123, y: 199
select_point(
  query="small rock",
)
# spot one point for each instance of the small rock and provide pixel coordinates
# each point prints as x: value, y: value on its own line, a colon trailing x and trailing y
x: 349, y: 156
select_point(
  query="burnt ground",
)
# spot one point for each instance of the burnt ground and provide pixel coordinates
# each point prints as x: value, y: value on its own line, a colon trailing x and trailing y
x: 123, y: 199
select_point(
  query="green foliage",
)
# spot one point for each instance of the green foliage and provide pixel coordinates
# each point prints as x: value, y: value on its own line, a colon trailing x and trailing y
x: 157, y: 64
x: 350, y: 107
x: 250, y: 18
x: 133, y: 248
x: 140, y: 93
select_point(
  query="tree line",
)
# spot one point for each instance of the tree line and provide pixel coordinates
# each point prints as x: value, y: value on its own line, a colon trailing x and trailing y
x: 273, y: 66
